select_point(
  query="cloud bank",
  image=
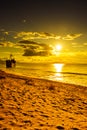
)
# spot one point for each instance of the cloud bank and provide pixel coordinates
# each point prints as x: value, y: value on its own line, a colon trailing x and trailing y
x: 13, y: 35
x: 34, y: 48
x: 36, y: 35
x: 27, y: 41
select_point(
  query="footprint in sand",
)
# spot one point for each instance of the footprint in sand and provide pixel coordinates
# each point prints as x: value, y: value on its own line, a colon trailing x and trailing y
x: 2, y: 77
x: 74, y: 129
x: 60, y: 127
x: 1, y: 118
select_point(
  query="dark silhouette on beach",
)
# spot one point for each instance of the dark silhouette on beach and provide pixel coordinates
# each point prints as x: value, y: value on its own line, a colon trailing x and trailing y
x: 13, y: 62
x: 10, y: 62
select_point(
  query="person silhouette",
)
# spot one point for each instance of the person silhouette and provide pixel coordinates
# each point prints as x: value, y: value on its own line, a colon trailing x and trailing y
x: 13, y: 62
x: 10, y: 62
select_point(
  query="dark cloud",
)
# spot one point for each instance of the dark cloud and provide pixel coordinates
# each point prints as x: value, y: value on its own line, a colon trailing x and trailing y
x: 28, y: 42
x: 31, y: 44
x: 34, y: 48
x: 32, y: 52
x: 29, y: 52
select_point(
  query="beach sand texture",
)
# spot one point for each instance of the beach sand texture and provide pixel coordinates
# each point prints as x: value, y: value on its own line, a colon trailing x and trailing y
x: 37, y: 104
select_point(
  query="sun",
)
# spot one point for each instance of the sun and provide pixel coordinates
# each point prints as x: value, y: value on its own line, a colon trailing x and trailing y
x: 58, y: 47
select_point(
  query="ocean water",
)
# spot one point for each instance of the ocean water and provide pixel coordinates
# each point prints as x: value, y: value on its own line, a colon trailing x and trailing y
x: 68, y: 73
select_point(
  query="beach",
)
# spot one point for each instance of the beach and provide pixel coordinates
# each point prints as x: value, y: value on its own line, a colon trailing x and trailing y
x: 39, y: 104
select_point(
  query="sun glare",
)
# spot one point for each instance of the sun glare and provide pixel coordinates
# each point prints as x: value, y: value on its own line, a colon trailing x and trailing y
x: 58, y: 47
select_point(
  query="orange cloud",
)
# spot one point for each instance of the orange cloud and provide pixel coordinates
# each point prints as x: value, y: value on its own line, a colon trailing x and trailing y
x: 71, y: 36
x: 36, y: 35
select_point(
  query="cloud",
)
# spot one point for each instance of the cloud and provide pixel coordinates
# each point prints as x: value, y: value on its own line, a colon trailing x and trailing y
x: 13, y: 35
x: 45, y: 35
x: 34, y: 48
x: 71, y: 36
x: 7, y: 37
x: 36, y: 35
x: 27, y: 42
x: 33, y: 44
x: 32, y: 52
x: 6, y: 44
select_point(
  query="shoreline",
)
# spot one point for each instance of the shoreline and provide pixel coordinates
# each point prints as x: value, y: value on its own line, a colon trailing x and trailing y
x: 39, y: 104
x: 66, y: 75
x: 26, y: 76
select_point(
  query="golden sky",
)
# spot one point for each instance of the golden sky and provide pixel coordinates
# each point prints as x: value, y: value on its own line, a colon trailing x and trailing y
x: 43, y: 28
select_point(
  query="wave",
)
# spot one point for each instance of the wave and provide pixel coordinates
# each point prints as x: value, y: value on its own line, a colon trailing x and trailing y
x: 70, y: 73
x: 52, y: 71
x: 73, y: 73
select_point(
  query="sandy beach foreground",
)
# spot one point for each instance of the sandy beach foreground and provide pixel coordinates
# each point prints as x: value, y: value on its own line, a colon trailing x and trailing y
x: 36, y: 104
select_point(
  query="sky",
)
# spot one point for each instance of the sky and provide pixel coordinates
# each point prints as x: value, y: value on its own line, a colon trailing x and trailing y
x: 43, y: 28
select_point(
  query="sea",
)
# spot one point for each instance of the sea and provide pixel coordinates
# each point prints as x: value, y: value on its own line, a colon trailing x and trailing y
x: 67, y: 73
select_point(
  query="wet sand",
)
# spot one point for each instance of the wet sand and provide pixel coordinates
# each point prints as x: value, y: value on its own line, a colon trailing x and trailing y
x: 37, y: 104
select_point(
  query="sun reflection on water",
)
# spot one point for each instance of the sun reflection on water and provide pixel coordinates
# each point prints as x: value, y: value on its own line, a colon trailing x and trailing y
x: 58, y: 68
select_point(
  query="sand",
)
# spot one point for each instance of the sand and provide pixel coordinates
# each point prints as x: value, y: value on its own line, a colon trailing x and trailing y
x: 37, y: 104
